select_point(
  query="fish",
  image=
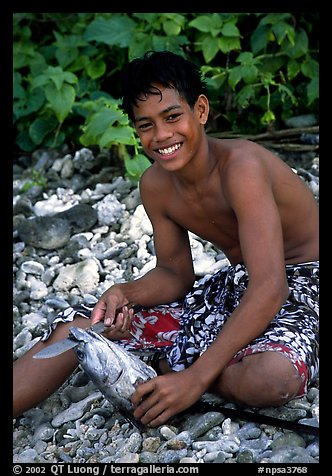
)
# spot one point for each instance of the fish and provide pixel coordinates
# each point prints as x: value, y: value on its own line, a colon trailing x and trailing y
x: 115, y: 371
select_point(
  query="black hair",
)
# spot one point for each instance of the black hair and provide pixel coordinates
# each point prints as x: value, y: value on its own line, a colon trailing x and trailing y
x: 163, y: 67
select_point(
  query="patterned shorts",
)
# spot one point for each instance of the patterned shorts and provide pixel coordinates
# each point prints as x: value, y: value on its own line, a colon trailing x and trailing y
x: 182, y: 331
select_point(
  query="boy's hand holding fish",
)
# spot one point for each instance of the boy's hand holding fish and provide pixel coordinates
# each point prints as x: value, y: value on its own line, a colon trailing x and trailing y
x: 162, y: 397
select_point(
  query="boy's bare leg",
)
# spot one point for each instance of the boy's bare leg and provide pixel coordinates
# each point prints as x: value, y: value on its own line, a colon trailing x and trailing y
x: 36, y: 379
x: 259, y: 380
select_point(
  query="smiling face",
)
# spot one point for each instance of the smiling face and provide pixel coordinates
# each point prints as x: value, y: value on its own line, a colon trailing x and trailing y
x: 171, y: 133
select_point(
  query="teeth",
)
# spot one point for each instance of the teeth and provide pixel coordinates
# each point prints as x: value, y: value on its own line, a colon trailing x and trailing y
x: 169, y: 150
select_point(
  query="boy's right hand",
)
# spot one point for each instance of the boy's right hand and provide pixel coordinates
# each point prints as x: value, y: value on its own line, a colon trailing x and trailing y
x: 108, y: 307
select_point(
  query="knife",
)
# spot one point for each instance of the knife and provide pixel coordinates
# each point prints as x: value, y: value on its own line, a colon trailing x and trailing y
x: 65, y: 344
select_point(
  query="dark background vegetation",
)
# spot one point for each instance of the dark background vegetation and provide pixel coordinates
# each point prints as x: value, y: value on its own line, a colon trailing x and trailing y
x: 260, y: 69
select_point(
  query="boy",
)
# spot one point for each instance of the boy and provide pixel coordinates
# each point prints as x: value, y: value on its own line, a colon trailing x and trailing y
x: 249, y: 332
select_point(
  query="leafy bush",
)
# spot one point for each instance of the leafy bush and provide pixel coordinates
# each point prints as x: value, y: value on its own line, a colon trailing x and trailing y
x: 260, y: 68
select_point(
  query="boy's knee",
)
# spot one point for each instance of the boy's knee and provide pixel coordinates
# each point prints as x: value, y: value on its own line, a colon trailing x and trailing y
x: 282, y: 386
x: 265, y: 379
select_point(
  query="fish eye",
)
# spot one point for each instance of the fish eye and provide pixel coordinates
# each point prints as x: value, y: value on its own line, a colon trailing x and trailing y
x: 80, y: 354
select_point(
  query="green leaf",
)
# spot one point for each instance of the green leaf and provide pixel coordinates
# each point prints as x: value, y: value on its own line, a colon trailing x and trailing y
x: 310, y: 68
x: 136, y: 166
x: 37, y: 64
x: 259, y: 39
x: 176, y: 18
x: 273, y: 18
x: 81, y: 62
x: 313, y: 90
x: 40, y: 127
x: 149, y: 18
x: 142, y: 43
x: 210, y: 48
x: 117, y: 135
x: 24, y: 142
x: 31, y: 102
x: 159, y: 42
x: 245, y: 57
x: 95, y: 69
x: 216, y: 81
x: 202, y: 23
x: 229, y: 29
x: 18, y: 89
x: 117, y: 30
x: 249, y: 73
x: 66, y: 56
x: 283, y: 30
x: 267, y: 118
x: 227, y: 44
x: 299, y: 48
x: 97, y: 123
x: 106, y: 117
x: 244, y: 96
x: 171, y: 28
x: 216, y: 21
x: 272, y: 64
x: 39, y: 81
x: 55, y: 75
x: 235, y: 76
x: 22, y: 54
x: 286, y: 93
x: 61, y: 101
x: 293, y: 69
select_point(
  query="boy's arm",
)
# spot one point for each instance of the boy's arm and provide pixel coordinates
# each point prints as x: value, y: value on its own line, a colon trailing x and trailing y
x: 173, y: 275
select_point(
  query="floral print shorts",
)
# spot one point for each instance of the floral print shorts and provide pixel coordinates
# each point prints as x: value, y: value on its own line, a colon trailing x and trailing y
x: 182, y: 331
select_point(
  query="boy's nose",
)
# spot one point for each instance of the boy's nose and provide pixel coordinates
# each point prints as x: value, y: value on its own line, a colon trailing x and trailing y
x: 162, y: 133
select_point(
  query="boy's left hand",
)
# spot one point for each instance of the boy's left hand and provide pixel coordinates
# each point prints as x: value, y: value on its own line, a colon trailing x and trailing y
x: 162, y: 397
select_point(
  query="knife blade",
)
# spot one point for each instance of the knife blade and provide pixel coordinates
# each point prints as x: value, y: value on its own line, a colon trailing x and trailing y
x: 65, y: 344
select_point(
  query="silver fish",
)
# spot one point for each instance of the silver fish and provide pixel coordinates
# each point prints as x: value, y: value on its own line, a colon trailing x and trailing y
x: 114, y: 371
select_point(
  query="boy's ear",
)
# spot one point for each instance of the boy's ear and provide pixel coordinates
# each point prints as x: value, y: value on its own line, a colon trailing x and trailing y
x: 202, y: 108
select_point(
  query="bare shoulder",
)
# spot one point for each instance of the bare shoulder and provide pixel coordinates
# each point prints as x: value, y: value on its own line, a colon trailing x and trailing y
x: 153, y: 185
x: 251, y: 173
x: 154, y: 179
x: 245, y: 159
x: 249, y: 170
x: 243, y: 153
x: 242, y: 159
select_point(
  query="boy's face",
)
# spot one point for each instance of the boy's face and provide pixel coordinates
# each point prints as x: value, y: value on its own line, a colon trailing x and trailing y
x: 169, y: 130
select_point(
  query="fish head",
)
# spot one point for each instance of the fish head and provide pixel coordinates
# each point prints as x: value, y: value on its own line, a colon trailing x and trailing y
x: 96, y: 357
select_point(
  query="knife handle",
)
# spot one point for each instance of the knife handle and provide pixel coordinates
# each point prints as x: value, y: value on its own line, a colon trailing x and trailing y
x: 99, y: 327
x: 135, y: 307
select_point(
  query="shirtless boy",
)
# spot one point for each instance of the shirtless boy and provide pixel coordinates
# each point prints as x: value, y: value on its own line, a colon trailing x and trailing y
x: 250, y: 331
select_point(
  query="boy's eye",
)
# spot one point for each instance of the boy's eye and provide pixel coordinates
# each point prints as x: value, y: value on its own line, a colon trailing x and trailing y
x: 144, y: 126
x: 173, y: 117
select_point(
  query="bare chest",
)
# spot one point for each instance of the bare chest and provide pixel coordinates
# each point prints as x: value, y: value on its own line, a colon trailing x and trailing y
x: 208, y: 216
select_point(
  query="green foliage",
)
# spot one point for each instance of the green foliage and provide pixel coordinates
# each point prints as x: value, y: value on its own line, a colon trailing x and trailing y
x: 105, y: 124
x: 260, y: 68
x: 37, y: 179
x: 263, y: 71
